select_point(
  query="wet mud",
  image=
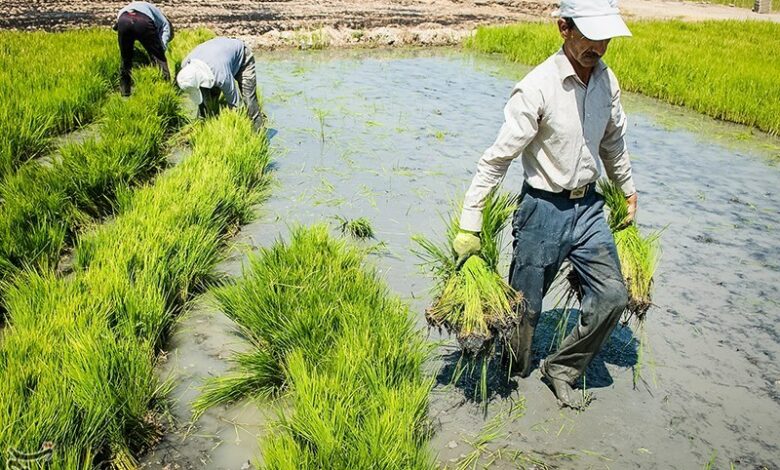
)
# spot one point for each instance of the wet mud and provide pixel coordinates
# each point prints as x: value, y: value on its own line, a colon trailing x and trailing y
x: 394, y: 136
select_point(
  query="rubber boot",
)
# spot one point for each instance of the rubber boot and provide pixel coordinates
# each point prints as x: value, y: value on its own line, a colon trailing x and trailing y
x: 124, y: 84
x: 520, y: 348
x: 566, y: 395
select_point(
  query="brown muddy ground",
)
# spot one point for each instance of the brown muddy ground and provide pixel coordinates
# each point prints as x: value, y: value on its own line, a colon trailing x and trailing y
x: 340, y: 23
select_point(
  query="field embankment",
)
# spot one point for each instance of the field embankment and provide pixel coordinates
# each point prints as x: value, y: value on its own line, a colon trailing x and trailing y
x: 78, y: 354
x: 723, y: 69
x: 345, y: 354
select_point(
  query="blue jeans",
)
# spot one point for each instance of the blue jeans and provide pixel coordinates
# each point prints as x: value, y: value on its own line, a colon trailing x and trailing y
x: 549, y: 228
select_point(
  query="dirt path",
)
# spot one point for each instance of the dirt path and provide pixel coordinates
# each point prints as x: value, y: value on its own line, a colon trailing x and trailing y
x: 341, y: 23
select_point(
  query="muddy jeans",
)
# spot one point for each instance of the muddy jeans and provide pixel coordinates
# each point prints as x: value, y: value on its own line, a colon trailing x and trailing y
x: 247, y: 81
x: 132, y: 26
x: 549, y: 228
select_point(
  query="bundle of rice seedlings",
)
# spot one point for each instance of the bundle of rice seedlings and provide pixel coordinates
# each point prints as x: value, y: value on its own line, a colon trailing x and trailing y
x: 638, y: 256
x: 359, y: 228
x: 472, y: 300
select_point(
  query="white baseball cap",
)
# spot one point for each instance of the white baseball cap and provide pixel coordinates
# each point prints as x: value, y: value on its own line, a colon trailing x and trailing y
x: 194, y: 76
x: 596, y: 19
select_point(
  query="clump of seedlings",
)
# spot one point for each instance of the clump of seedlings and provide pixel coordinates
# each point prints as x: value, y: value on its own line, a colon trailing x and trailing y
x: 638, y: 255
x: 355, y: 392
x: 359, y: 228
x: 472, y: 300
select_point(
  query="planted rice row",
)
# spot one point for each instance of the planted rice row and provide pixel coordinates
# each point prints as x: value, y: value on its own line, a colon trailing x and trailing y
x: 339, y: 347
x: 719, y: 68
x: 78, y: 354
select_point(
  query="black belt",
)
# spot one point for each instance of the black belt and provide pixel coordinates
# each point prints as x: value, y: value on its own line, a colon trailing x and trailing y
x: 577, y: 193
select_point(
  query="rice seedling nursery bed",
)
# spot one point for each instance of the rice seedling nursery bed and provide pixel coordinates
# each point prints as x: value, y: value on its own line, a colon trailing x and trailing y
x: 342, y: 350
x: 45, y: 205
x: 50, y: 83
x: 78, y: 354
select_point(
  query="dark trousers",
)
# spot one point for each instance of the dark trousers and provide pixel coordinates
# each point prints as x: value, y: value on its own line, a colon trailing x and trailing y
x: 549, y: 228
x: 247, y: 81
x: 132, y: 26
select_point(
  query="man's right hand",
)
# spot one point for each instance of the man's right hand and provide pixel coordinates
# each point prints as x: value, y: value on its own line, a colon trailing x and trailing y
x: 465, y: 244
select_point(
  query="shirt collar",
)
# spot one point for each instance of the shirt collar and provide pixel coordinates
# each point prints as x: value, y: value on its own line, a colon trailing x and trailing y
x: 565, y: 69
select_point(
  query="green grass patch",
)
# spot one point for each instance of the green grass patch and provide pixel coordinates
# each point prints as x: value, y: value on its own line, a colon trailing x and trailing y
x: 344, y: 351
x: 78, y: 353
x: 741, y: 3
x: 719, y: 68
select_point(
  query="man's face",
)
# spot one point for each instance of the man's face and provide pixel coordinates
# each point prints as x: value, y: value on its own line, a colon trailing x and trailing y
x: 584, y: 51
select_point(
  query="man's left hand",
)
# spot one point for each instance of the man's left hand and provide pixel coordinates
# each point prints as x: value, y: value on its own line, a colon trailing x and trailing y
x: 632, y: 203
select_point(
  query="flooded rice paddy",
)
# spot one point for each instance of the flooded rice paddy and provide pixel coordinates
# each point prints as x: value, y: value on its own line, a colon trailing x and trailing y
x: 395, y: 137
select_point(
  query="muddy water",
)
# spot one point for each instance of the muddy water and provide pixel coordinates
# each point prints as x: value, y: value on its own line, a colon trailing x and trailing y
x: 394, y: 137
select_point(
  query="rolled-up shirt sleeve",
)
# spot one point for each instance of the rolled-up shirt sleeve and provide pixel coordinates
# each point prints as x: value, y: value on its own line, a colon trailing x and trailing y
x: 166, y: 35
x: 613, y: 149
x: 521, y: 123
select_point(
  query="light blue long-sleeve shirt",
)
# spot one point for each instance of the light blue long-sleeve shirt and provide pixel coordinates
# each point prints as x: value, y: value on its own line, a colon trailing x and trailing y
x: 225, y: 57
x: 161, y: 23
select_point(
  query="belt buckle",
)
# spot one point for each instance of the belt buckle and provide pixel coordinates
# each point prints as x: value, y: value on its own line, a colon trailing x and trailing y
x: 578, y: 192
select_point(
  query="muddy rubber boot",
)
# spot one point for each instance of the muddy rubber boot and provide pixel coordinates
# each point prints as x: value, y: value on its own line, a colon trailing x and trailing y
x: 566, y: 395
x: 124, y: 85
x: 520, y: 349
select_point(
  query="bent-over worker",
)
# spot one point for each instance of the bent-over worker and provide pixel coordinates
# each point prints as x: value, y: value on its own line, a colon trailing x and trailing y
x: 216, y: 65
x: 145, y: 23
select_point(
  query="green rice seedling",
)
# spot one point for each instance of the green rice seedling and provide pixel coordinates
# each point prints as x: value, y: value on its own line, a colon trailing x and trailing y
x: 50, y: 83
x: 78, y: 353
x: 321, y: 115
x: 359, y: 228
x: 639, y: 255
x: 680, y: 72
x: 473, y: 301
x: 343, y: 351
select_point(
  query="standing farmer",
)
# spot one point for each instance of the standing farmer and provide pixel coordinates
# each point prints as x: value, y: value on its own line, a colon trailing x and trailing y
x: 144, y: 22
x: 216, y: 65
x: 565, y: 120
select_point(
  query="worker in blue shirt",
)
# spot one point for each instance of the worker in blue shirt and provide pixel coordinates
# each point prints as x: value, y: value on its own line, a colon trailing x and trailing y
x: 217, y: 65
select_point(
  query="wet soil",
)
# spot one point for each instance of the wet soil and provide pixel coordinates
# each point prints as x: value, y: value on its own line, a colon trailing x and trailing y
x: 394, y: 136
x: 340, y: 23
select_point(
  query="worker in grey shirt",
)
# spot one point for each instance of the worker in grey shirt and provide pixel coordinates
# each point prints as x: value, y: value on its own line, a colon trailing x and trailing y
x: 565, y: 120
x: 215, y: 66
x: 143, y: 22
